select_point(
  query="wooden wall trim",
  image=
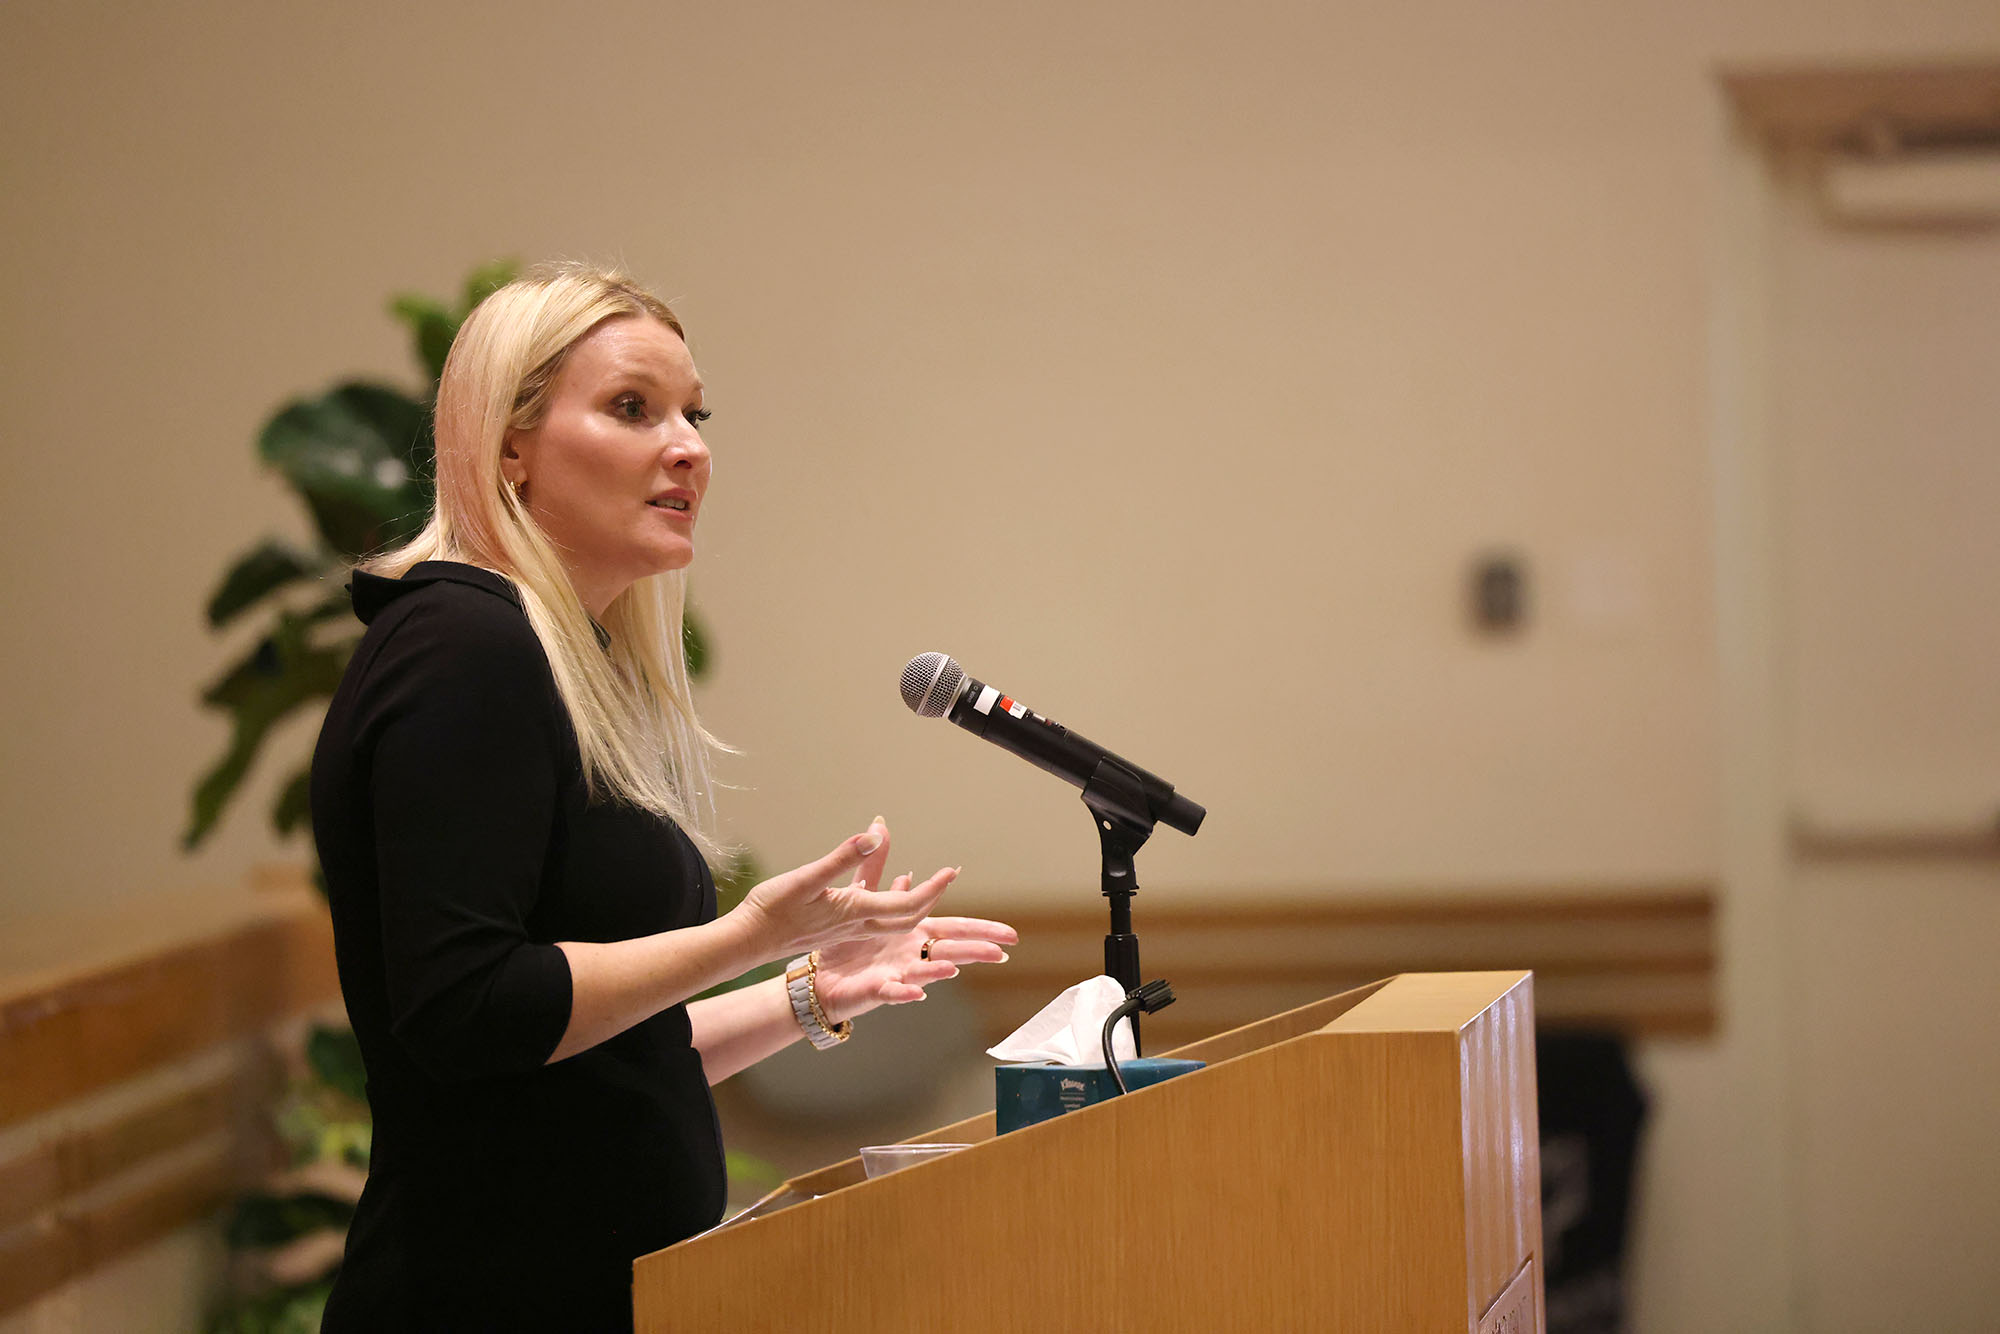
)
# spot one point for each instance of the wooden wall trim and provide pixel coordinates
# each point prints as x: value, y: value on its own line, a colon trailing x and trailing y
x: 63, y: 1247
x: 1638, y: 961
x: 1849, y: 109
x: 72, y: 1162
x: 93, y: 1183
x: 65, y: 1037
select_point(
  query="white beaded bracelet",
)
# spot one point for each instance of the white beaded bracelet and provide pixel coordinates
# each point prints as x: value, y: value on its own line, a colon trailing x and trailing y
x: 802, y: 987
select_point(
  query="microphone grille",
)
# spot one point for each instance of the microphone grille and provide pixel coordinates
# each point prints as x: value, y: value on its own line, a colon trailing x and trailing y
x: 930, y: 683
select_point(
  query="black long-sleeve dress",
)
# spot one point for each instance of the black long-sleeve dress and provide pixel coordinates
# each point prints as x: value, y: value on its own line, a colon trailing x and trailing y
x: 448, y: 804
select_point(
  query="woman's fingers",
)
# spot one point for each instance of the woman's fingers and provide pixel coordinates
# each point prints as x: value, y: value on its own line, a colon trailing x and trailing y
x: 869, y: 875
x: 852, y: 852
x: 970, y: 928
x: 967, y: 951
x: 967, y: 939
x: 934, y: 970
x: 899, y: 909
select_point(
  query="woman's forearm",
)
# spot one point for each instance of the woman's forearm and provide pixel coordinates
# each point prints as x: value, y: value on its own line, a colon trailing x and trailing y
x: 740, y: 1028
x: 616, y: 984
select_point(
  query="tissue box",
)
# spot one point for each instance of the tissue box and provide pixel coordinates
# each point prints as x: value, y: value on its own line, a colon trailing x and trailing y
x: 1025, y: 1094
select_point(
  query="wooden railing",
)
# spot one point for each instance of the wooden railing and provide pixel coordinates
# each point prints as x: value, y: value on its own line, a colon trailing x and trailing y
x: 135, y: 1070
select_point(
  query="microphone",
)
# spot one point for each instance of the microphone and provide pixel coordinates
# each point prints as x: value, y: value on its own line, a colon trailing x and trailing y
x: 935, y: 686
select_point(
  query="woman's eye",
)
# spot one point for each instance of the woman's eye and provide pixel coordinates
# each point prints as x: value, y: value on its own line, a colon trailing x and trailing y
x: 698, y: 416
x: 633, y: 402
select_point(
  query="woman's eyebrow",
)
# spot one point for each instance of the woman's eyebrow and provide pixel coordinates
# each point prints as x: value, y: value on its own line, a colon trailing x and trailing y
x: 627, y: 371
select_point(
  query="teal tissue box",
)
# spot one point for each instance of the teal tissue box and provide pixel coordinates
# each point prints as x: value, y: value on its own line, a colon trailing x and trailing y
x: 1025, y: 1094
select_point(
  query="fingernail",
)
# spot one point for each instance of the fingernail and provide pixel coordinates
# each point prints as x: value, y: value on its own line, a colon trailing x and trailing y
x: 877, y: 820
x: 869, y: 842
x: 1004, y: 956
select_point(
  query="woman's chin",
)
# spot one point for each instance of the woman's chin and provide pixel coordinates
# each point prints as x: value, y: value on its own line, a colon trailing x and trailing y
x: 667, y: 559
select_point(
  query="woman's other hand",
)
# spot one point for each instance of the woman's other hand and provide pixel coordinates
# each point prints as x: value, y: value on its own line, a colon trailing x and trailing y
x: 855, y: 976
x: 803, y: 909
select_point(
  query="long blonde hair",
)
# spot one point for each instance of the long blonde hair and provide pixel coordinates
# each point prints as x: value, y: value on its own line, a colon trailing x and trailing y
x: 629, y: 701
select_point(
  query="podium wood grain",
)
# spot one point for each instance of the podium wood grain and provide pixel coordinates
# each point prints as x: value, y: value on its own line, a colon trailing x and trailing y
x: 1365, y: 1163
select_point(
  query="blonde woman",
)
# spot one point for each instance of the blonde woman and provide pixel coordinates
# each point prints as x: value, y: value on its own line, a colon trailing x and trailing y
x: 511, y: 802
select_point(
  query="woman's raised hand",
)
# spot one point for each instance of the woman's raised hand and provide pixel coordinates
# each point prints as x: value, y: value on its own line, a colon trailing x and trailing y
x: 803, y: 909
x: 858, y: 975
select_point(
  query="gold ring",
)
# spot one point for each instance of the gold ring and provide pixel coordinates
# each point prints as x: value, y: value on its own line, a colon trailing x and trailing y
x: 924, y: 950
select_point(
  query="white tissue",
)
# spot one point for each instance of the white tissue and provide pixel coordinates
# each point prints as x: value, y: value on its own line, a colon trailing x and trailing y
x: 1069, y: 1030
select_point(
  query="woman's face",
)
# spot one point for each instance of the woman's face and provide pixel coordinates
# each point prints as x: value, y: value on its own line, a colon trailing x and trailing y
x: 616, y: 471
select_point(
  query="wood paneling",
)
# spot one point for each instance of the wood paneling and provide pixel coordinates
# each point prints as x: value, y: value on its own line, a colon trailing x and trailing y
x: 64, y: 1246
x: 65, y: 1036
x: 1640, y: 962
x: 161, y: 984
x: 71, y: 1162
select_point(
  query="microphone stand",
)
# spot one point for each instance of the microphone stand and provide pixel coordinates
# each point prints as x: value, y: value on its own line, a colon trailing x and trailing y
x: 1124, y: 819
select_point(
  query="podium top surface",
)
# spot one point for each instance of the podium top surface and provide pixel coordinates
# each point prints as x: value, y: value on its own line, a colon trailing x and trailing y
x: 1427, y: 1002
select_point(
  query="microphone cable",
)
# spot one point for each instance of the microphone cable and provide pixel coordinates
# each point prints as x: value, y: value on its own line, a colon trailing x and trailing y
x: 1150, y: 998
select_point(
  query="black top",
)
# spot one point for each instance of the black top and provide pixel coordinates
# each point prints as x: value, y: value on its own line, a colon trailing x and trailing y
x: 448, y: 804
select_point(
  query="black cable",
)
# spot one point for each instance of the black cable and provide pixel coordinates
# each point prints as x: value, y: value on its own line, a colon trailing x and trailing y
x: 1152, y: 997
x: 1110, y: 1027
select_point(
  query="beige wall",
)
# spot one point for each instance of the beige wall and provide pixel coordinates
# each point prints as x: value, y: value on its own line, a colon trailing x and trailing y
x: 1167, y: 371
x: 1166, y: 365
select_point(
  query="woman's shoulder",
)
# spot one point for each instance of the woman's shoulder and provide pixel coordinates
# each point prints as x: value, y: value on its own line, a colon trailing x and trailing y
x: 456, y: 624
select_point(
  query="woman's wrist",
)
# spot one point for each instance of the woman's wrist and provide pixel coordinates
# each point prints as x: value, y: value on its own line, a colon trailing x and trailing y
x: 751, y: 937
x: 840, y: 997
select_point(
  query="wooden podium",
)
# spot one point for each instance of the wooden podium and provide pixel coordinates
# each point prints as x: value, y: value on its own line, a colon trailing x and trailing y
x: 1365, y: 1163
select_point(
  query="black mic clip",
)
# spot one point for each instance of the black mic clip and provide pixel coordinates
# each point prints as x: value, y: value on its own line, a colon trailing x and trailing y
x: 1125, y: 821
x: 1124, y: 818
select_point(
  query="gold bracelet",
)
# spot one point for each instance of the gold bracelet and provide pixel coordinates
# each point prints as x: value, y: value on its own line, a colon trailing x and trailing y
x: 841, y: 1031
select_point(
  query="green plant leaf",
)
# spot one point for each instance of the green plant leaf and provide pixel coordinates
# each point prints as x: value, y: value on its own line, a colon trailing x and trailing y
x: 736, y: 879
x: 284, y: 671
x: 335, y: 1056
x: 303, y: 1310
x: 335, y: 606
x: 296, y: 1309
x: 263, y: 1219
x: 747, y: 1170
x: 694, y: 639
x: 259, y: 572
x: 487, y: 279
x: 431, y: 326
x: 293, y: 807
x: 358, y: 455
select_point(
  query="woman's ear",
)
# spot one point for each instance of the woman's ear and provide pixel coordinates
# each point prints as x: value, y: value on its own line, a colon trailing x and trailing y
x: 512, y: 466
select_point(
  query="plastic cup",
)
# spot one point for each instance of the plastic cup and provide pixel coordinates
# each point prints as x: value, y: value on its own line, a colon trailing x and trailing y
x: 879, y: 1160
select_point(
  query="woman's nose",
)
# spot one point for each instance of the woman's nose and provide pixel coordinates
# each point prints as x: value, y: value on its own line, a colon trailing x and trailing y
x: 685, y: 448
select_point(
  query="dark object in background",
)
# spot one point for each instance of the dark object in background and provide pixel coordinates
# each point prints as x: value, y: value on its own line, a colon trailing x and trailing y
x: 1499, y: 593
x: 1592, y: 1111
